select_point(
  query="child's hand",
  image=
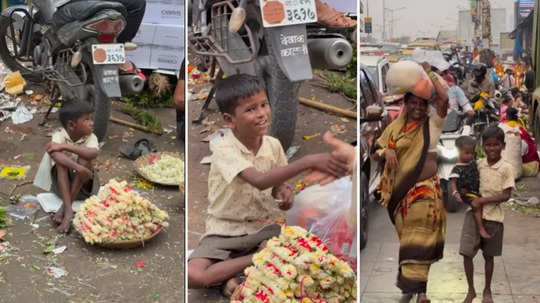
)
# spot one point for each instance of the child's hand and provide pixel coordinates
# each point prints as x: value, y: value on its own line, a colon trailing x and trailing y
x: 285, y: 195
x: 84, y: 173
x: 328, y: 163
x: 458, y: 197
x: 54, y: 147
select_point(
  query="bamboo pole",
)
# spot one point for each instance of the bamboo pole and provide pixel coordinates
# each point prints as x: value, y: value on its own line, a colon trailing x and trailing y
x: 329, y: 108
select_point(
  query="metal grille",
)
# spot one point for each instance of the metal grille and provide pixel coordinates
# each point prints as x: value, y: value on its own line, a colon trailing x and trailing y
x: 61, y: 73
x: 237, y: 48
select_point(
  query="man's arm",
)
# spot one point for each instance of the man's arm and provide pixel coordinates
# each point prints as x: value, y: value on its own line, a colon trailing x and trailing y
x: 278, y: 176
x: 179, y: 100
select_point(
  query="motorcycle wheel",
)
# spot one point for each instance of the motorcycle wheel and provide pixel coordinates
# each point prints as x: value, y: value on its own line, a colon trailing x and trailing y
x: 283, y: 97
x: 6, y: 54
x: 364, y: 202
x: 102, y: 110
x: 450, y: 203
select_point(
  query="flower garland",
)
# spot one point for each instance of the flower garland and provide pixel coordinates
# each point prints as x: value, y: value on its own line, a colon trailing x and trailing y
x: 297, y: 267
x: 117, y: 213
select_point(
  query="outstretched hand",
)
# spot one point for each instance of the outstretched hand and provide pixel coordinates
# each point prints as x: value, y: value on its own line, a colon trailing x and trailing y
x: 342, y: 152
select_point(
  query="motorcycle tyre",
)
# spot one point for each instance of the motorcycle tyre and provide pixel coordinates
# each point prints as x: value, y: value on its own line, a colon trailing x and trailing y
x: 102, y: 110
x: 283, y: 97
x: 364, y: 203
x: 450, y: 203
x: 8, y: 60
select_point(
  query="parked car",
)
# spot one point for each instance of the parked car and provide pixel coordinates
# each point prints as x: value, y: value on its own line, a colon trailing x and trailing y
x: 378, y: 67
x: 373, y: 120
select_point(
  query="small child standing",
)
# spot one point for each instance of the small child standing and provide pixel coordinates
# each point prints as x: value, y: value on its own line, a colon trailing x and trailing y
x: 496, y: 183
x: 246, y: 187
x: 465, y: 179
x: 66, y: 168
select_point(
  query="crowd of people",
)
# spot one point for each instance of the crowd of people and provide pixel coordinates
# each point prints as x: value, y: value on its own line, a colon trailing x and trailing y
x: 488, y: 166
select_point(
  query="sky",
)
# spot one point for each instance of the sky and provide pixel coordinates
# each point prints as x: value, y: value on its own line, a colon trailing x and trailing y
x: 425, y: 17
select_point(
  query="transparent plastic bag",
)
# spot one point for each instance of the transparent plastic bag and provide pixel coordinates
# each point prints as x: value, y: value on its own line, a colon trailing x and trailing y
x: 317, y: 201
x: 325, y: 212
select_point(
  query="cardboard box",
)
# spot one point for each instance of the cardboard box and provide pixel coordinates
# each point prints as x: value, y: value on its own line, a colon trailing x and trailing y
x: 164, y: 12
x: 145, y: 34
x: 141, y: 56
x: 158, y: 46
x: 169, y: 35
x: 167, y: 58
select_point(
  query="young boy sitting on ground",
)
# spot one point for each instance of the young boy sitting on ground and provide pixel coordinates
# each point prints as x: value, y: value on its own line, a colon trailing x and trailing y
x: 245, y: 186
x: 69, y: 170
x: 496, y: 182
x: 465, y: 179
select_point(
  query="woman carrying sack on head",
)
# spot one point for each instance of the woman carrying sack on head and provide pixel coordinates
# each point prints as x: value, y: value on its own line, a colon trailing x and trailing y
x: 410, y: 186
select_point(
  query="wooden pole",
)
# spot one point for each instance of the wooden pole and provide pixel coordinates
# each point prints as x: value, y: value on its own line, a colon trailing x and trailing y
x: 329, y: 108
x: 130, y: 124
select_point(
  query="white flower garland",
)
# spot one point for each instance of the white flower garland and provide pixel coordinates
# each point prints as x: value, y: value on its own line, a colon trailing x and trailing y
x: 117, y: 213
x: 297, y: 268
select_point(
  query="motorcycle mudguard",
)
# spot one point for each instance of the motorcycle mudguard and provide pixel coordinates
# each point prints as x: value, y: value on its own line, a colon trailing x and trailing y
x: 289, y: 43
x: 109, y: 80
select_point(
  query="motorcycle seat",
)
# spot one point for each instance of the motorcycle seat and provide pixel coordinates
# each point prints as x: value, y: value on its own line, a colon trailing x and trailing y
x: 82, y: 10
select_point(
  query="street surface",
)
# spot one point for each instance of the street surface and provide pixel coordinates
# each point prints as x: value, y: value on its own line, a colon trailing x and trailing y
x: 515, y: 279
x: 93, y: 274
x: 310, y: 121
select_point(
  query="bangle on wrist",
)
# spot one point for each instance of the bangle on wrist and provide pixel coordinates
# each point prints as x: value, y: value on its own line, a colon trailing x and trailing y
x: 455, y: 192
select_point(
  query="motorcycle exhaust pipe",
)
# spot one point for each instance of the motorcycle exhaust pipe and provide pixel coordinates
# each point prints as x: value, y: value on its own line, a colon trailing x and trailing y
x: 329, y: 53
x: 131, y: 84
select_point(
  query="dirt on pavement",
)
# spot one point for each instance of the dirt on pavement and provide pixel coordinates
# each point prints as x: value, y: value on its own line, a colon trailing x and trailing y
x: 153, y: 273
x: 310, y: 121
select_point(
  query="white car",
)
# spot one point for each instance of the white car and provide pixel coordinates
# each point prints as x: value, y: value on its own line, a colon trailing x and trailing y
x: 378, y: 67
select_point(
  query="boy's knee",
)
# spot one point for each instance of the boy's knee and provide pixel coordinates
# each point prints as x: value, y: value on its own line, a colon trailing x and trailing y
x: 197, y: 278
x: 488, y: 258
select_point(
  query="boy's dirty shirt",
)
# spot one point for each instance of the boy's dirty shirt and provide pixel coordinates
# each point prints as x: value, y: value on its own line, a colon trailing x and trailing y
x: 494, y: 180
x: 236, y: 207
x: 43, y: 177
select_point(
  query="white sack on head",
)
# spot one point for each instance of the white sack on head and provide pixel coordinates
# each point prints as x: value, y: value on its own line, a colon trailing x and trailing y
x: 409, y: 77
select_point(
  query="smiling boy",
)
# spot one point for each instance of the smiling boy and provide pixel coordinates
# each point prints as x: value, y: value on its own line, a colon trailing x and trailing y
x: 246, y: 187
x: 496, y: 183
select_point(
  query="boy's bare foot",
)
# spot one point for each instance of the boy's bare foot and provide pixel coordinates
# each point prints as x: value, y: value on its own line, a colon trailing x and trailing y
x: 470, y: 297
x: 486, y: 298
x: 63, y: 228
x: 405, y: 298
x: 230, y: 286
x: 59, y: 215
x: 422, y: 298
x: 483, y: 233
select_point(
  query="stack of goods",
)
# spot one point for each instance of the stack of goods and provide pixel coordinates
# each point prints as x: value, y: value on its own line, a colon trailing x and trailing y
x: 296, y: 267
x: 409, y: 77
x: 117, y: 213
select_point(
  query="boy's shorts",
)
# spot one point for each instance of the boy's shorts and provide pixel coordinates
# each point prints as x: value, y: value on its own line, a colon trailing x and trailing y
x: 86, y: 191
x: 226, y: 247
x: 471, y: 241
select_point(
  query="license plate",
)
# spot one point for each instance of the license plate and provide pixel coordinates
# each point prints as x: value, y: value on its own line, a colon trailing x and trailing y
x: 287, y: 12
x: 108, y: 53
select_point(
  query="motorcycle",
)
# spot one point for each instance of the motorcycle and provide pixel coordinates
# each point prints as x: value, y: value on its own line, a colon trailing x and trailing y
x: 73, y: 49
x: 447, y: 154
x: 269, y: 39
x: 486, y: 113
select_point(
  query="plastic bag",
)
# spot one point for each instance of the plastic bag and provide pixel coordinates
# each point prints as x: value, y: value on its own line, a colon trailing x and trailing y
x: 409, y: 77
x: 323, y: 211
x: 317, y: 201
